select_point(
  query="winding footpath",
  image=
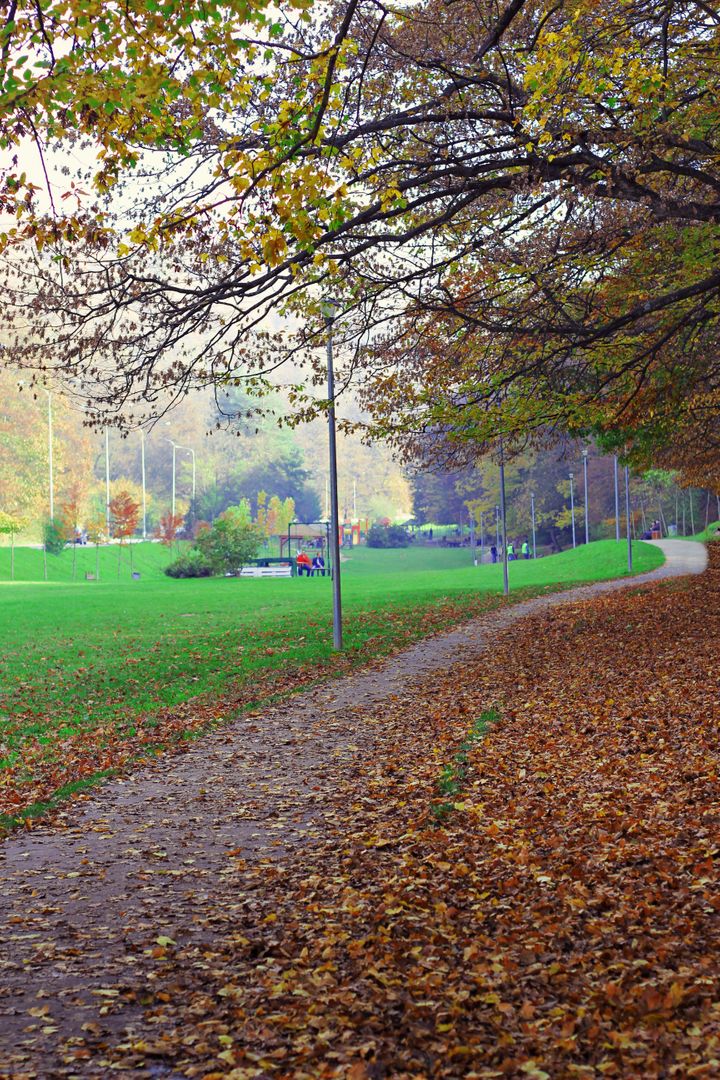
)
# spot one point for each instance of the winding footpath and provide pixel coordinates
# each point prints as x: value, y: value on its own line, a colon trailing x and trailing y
x: 151, y: 857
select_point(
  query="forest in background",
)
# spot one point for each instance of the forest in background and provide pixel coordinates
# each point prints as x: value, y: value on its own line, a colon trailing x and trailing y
x: 543, y: 477
x: 234, y: 460
x: 240, y: 459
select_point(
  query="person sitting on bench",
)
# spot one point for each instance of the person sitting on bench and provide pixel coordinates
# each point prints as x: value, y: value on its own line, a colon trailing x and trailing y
x: 304, y: 566
x: 318, y: 566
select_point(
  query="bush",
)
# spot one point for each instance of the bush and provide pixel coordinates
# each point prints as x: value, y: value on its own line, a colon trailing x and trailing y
x: 53, y: 538
x: 397, y: 536
x: 387, y: 536
x: 192, y: 565
x: 377, y: 536
x: 229, y: 542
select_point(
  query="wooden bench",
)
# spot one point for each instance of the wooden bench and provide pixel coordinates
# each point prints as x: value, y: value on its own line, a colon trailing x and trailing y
x: 265, y: 571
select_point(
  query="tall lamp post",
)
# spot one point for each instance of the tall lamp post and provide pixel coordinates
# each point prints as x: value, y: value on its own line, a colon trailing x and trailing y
x: 532, y: 516
x: 617, y: 500
x: 627, y: 516
x: 330, y: 309
x: 142, y: 473
x: 506, y: 582
x: 585, y: 485
x: 107, y: 482
x: 572, y: 509
x: 174, y: 446
x: 191, y: 451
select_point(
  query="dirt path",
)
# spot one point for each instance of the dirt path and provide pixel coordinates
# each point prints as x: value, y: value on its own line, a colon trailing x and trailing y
x: 154, y: 856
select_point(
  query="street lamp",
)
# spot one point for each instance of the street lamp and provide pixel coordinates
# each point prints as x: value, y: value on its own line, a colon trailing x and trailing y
x: 142, y: 472
x: 572, y: 509
x: 497, y: 528
x: 506, y: 583
x: 627, y: 516
x: 330, y: 309
x: 191, y: 451
x: 107, y: 482
x: 532, y: 515
x: 616, y: 499
x: 175, y: 447
x: 585, y: 484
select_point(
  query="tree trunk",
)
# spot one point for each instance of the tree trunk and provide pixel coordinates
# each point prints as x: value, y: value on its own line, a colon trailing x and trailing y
x: 97, y: 562
x: 12, y: 556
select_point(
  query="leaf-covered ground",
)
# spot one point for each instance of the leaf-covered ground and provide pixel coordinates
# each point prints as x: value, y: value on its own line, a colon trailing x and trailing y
x: 533, y: 897
x: 563, y: 921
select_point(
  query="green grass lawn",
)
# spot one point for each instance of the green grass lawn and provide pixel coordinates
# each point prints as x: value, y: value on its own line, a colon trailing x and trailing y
x: 86, y: 664
x: 711, y: 533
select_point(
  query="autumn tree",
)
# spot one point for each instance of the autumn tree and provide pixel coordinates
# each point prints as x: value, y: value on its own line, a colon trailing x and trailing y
x: 517, y: 207
x: 69, y: 520
x: 168, y: 528
x: 124, y: 517
x: 96, y: 533
x: 10, y: 526
x: 112, y: 79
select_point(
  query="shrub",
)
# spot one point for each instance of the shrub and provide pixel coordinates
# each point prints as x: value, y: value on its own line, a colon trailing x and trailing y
x: 229, y: 542
x: 387, y: 536
x: 377, y: 536
x: 53, y: 537
x: 192, y: 565
x: 397, y: 536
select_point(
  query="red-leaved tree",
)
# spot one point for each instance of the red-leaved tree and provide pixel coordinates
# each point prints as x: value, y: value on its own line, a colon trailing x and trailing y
x: 167, y: 530
x: 124, y: 517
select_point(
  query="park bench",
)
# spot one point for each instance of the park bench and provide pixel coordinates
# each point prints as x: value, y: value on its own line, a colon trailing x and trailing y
x: 265, y: 571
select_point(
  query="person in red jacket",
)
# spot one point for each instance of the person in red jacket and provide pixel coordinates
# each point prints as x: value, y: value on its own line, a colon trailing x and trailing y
x: 304, y: 565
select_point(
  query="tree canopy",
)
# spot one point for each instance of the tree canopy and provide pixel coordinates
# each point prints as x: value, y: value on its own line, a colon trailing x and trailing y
x: 516, y: 206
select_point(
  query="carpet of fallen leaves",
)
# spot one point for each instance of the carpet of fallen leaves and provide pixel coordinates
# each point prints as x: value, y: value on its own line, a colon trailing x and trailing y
x: 563, y: 922
x: 561, y: 919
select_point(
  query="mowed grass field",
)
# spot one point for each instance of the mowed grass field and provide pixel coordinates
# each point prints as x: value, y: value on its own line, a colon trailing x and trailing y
x: 94, y: 674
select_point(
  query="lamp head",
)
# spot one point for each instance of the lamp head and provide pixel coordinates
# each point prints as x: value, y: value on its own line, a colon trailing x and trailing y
x: 330, y: 308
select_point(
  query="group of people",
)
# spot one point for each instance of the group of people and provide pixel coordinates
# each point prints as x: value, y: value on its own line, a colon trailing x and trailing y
x: 311, y: 567
x: 654, y: 532
x: 511, y: 552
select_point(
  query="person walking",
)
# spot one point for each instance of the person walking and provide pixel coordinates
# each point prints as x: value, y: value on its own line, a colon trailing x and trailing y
x: 525, y: 550
x: 511, y: 552
x: 493, y: 553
